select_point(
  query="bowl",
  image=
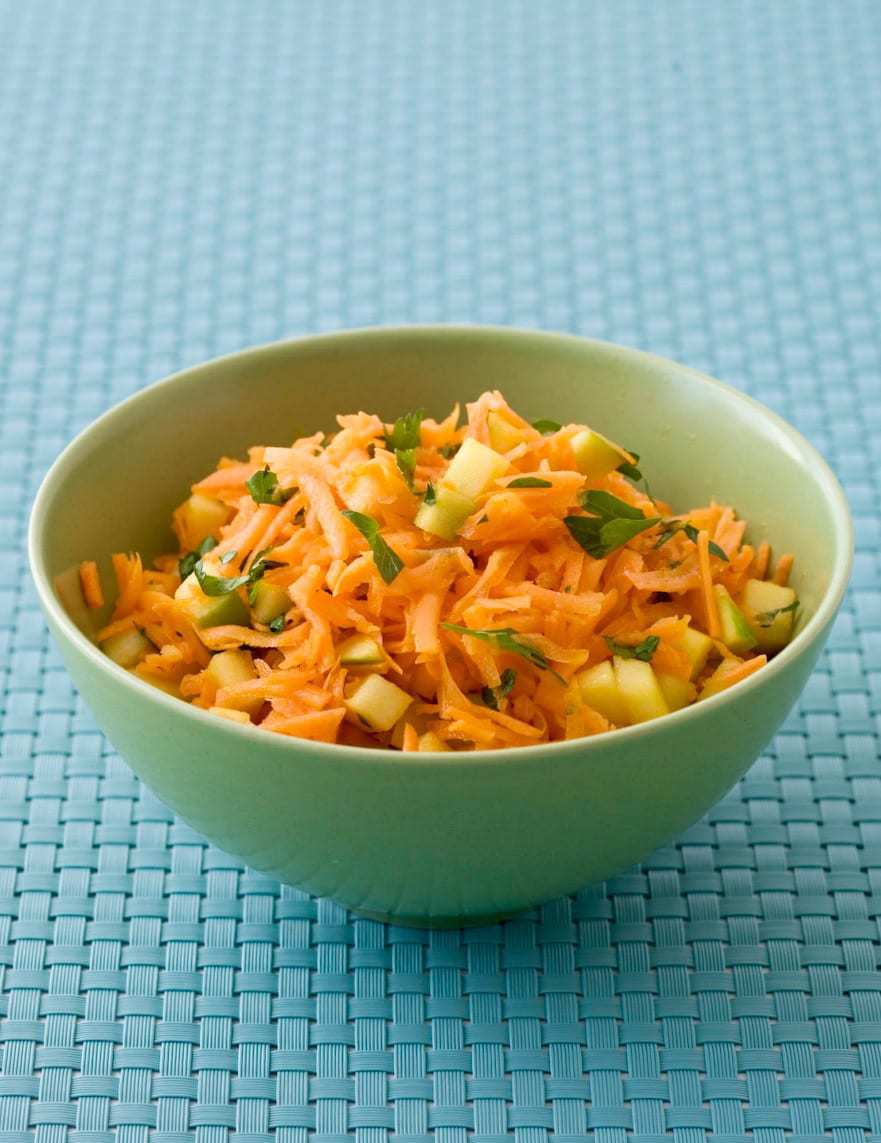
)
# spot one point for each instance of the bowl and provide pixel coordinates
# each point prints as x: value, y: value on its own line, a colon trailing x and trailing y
x: 438, y: 839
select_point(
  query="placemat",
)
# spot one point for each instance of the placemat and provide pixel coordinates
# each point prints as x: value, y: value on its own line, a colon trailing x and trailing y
x: 178, y: 179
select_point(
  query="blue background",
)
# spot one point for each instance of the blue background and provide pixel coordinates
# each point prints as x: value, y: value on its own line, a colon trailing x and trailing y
x: 179, y: 179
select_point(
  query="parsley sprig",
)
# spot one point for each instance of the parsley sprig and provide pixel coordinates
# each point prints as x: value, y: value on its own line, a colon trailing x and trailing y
x: 766, y: 618
x: 671, y: 527
x: 610, y: 525
x: 264, y: 488
x: 507, y: 639
x: 388, y: 563
x: 187, y: 564
x: 403, y: 439
x: 492, y: 696
x: 642, y: 651
x: 225, y: 585
x: 629, y: 469
x: 529, y: 482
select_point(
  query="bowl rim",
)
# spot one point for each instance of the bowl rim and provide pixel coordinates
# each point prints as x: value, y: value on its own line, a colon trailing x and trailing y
x: 806, y: 453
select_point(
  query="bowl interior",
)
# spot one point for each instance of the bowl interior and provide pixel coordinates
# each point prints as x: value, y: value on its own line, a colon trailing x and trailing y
x: 116, y: 488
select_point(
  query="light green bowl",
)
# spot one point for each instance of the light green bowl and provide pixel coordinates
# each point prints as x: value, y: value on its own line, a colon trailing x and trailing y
x: 439, y: 839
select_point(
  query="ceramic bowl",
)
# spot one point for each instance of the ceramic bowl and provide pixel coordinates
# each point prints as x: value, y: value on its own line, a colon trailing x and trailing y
x: 439, y: 839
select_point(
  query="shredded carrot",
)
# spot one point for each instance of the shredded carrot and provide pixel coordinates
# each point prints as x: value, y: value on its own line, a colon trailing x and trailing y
x: 475, y: 622
x: 90, y: 581
x: 783, y: 569
x: 710, y: 603
x: 760, y: 563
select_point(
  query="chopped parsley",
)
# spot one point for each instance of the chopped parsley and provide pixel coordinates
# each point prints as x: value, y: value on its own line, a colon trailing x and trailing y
x: 766, y: 618
x: 187, y: 564
x: 388, y: 563
x: 507, y: 639
x: 430, y: 494
x: 277, y: 624
x: 448, y: 451
x: 264, y: 487
x: 545, y: 426
x: 224, y: 585
x: 403, y: 439
x: 218, y: 584
x: 529, y: 482
x: 405, y: 459
x: 629, y: 469
x: 642, y: 651
x: 671, y: 527
x: 405, y: 432
x: 492, y: 696
x: 610, y: 525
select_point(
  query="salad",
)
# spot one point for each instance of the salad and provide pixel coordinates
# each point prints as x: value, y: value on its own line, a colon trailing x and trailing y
x: 426, y: 585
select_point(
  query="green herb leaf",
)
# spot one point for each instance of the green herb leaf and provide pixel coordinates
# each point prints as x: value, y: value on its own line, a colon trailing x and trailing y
x: 218, y: 584
x: 403, y: 439
x: 187, y: 564
x: 642, y: 651
x: 405, y: 459
x: 492, y: 696
x: 766, y: 618
x: 609, y: 507
x: 228, y: 557
x: 507, y: 639
x: 629, y: 469
x: 610, y: 526
x: 715, y: 550
x: 671, y: 527
x: 264, y: 489
x: 545, y: 426
x: 529, y: 482
x: 405, y: 432
x: 388, y: 563
x: 430, y: 494
x: 277, y: 624
x: 448, y: 451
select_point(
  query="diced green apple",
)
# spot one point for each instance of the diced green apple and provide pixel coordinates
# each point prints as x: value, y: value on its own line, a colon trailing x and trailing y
x: 639, y: 689
x: 697, y: 646
x: 736, y: 632
x: 595, y: 455
x: 718, y: 680
x: 231, y: 715
x: 677, y: 692
x: 770, y: 612
x: 446, y: 515
x: 474, y: 468
x: 203, y: 516
x: 269, y: 601
x: 360, y: 651
x: 378, y: 703
x: 599, y: 689
x: 128, y: 647
x: 219, y: 610
x: 230, y: 667
x: 431, y: 742
x: 502, y: 434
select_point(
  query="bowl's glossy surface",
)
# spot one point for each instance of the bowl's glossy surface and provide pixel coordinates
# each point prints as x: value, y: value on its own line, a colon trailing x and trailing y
x: 443, y: 838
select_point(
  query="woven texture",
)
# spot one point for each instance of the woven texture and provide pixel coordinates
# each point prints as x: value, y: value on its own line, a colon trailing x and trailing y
x: 181, y: 179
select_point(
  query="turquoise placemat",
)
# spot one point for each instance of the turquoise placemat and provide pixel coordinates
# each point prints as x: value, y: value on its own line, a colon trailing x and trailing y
x: 178, y: 179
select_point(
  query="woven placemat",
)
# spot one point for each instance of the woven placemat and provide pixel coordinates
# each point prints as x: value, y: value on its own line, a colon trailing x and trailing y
x: 178, y: 179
